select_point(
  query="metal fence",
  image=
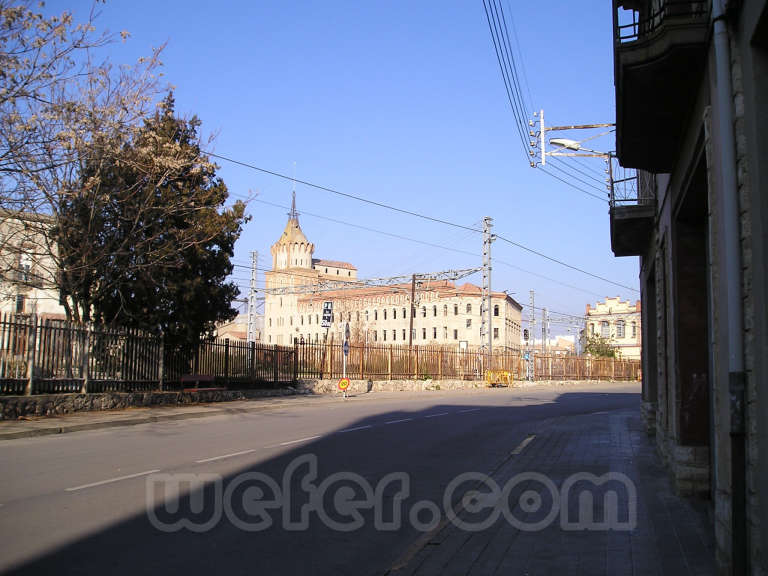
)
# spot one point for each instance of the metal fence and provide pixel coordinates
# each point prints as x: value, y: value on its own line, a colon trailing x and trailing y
x: 45, y: 356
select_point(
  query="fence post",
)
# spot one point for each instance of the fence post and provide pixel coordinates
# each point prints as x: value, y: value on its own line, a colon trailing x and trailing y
x: 161, y: 370
x: 389, y: 363
x: 416, y: 362
x: 295, y: 362
x: 440, y: 364
x: 549, y: 366
x: 362, y: 361
x: 252, y: 359
x: 275, y: 372
x: 613, y: 369
x: 86, y: 358
x: 226, y: 361
x: 31, y: 344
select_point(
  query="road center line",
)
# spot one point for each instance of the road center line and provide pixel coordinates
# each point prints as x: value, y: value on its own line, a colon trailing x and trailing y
x: 224, y: 456
x: 520, y: 447
x: 436, y: 415
x: 470, y: 410
x: 354, y: 429
x: 398, y: 421
x: 110, y: 480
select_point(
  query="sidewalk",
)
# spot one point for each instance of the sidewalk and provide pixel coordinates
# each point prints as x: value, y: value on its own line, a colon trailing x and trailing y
x: 671, y: 536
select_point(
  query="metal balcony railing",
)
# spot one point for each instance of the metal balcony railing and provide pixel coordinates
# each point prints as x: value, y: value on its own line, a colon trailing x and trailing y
x: 632, y: 25
x: 633, y: 188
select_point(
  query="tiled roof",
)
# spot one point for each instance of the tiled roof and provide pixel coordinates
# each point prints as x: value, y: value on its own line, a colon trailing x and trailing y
x: 333, y: 264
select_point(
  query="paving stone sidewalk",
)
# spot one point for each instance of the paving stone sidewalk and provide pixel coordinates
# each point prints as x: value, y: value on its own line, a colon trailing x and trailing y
x: 671, y: 535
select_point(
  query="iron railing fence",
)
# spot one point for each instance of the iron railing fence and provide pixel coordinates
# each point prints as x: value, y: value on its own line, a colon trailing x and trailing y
x: 48, y: 357
x: 633, y: 25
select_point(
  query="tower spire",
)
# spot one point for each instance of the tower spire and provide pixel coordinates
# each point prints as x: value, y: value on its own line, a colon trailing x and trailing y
x: 293, y: 215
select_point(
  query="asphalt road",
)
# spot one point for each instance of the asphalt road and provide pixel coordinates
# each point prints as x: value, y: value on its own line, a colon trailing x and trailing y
x: 97, y: 502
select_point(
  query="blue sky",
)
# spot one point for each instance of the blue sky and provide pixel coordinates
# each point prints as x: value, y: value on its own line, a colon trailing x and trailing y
x: 402, y: 103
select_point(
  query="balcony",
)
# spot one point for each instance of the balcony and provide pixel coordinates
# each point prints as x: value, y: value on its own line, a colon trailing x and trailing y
x: 660, y: 49
x: 633, y: 211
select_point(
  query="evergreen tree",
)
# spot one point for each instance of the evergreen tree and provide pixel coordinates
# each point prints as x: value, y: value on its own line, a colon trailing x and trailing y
x: 147, y: 241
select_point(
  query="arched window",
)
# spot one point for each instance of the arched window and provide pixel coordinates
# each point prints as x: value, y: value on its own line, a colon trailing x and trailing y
x: 366, y: 315
x: 434, y: 310
x: 385, y: 313
x: 394, y: 313
x: 495, y: 309
x: 469, y: 308
x: 404, y: 316
x: 423, y: 311
x: 620, y: 328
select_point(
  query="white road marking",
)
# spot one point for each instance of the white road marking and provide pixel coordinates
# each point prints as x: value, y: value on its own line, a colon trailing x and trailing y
x: 436, y: 415
x: 110, y: 480
x: 354, y: 429
x: 308, y: 438
x: 470, y: 410
x: 398, y: 421
x: 224, y: 456
x: 603, y: 412
x: 523, y: 444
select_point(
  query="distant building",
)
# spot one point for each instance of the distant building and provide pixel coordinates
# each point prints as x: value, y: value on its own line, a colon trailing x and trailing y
x: 445, y: 313
x: 619, y: 323
x: 27, y: 266
x: 237, y: 328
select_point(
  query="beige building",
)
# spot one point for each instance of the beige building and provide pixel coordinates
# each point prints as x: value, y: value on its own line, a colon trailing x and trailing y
x: 444, y: 313
x: 27, y: 267
x: 619, y: 323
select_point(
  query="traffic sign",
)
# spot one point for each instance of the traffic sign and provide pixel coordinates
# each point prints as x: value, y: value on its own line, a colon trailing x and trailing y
x: 346, y: 331
x: 327, y: 315
x: 343, y: 383
x: 346, y: 347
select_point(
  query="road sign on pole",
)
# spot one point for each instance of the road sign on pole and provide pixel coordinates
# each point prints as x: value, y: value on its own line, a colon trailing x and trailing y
x: 327, y: 315
x: 346, y: 347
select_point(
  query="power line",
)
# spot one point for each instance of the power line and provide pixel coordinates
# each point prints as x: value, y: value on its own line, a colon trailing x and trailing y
x: 425, y: 217
x: 570, y: 175
x: 576, y: 268
x: 560, y: 160
x: 344, y: 194
x: 548, y: 173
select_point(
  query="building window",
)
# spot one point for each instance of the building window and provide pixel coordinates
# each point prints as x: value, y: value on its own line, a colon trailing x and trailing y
x: 375, y: 314
x: 302, y: 319
x: 384, y: 334
x: 317, y: 319
x: 434, y: 333
x: 270, y: 338
x: 404, y: 316
x: 423, y: 333
x: 469, y: 308
x: 385, y: 313
x: 605, y: 329
x: 495, y: 333
x: 394, y: 335
x: 455, y: 334
x: 357, y: 315
x: 349, y: 316
x: 366, y: 315
x: 634, y: 329
x: 434, y: 310
x: 337, y: 272
x: 349, y: 273
x: 445, y: 309
x: 394, y: 313
x: 20, y: 304
x: 375, y: 336
x: 403, y: 333
x: 455, y: 309
x: 423, y: 311
x: 270, y: 322
x: 620, y: 328
x: 445, y: 332
x: 592, y: 329
x: 290, y: 320
x: 495, y: 309
x: 469, y: 322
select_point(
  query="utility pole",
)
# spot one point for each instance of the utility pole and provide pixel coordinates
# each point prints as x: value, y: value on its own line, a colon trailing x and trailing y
x: 544, y: 330
x: 532, y: 333
x: 486, y: 314
x: 413, y: 313
x: 252, y: 298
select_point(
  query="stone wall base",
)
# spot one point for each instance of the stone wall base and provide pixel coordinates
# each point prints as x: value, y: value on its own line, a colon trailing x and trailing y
x: 691, y: 470
x: 15, y: 407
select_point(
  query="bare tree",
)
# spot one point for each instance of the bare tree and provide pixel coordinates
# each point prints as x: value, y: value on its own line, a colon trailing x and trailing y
x: 60, y: 110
